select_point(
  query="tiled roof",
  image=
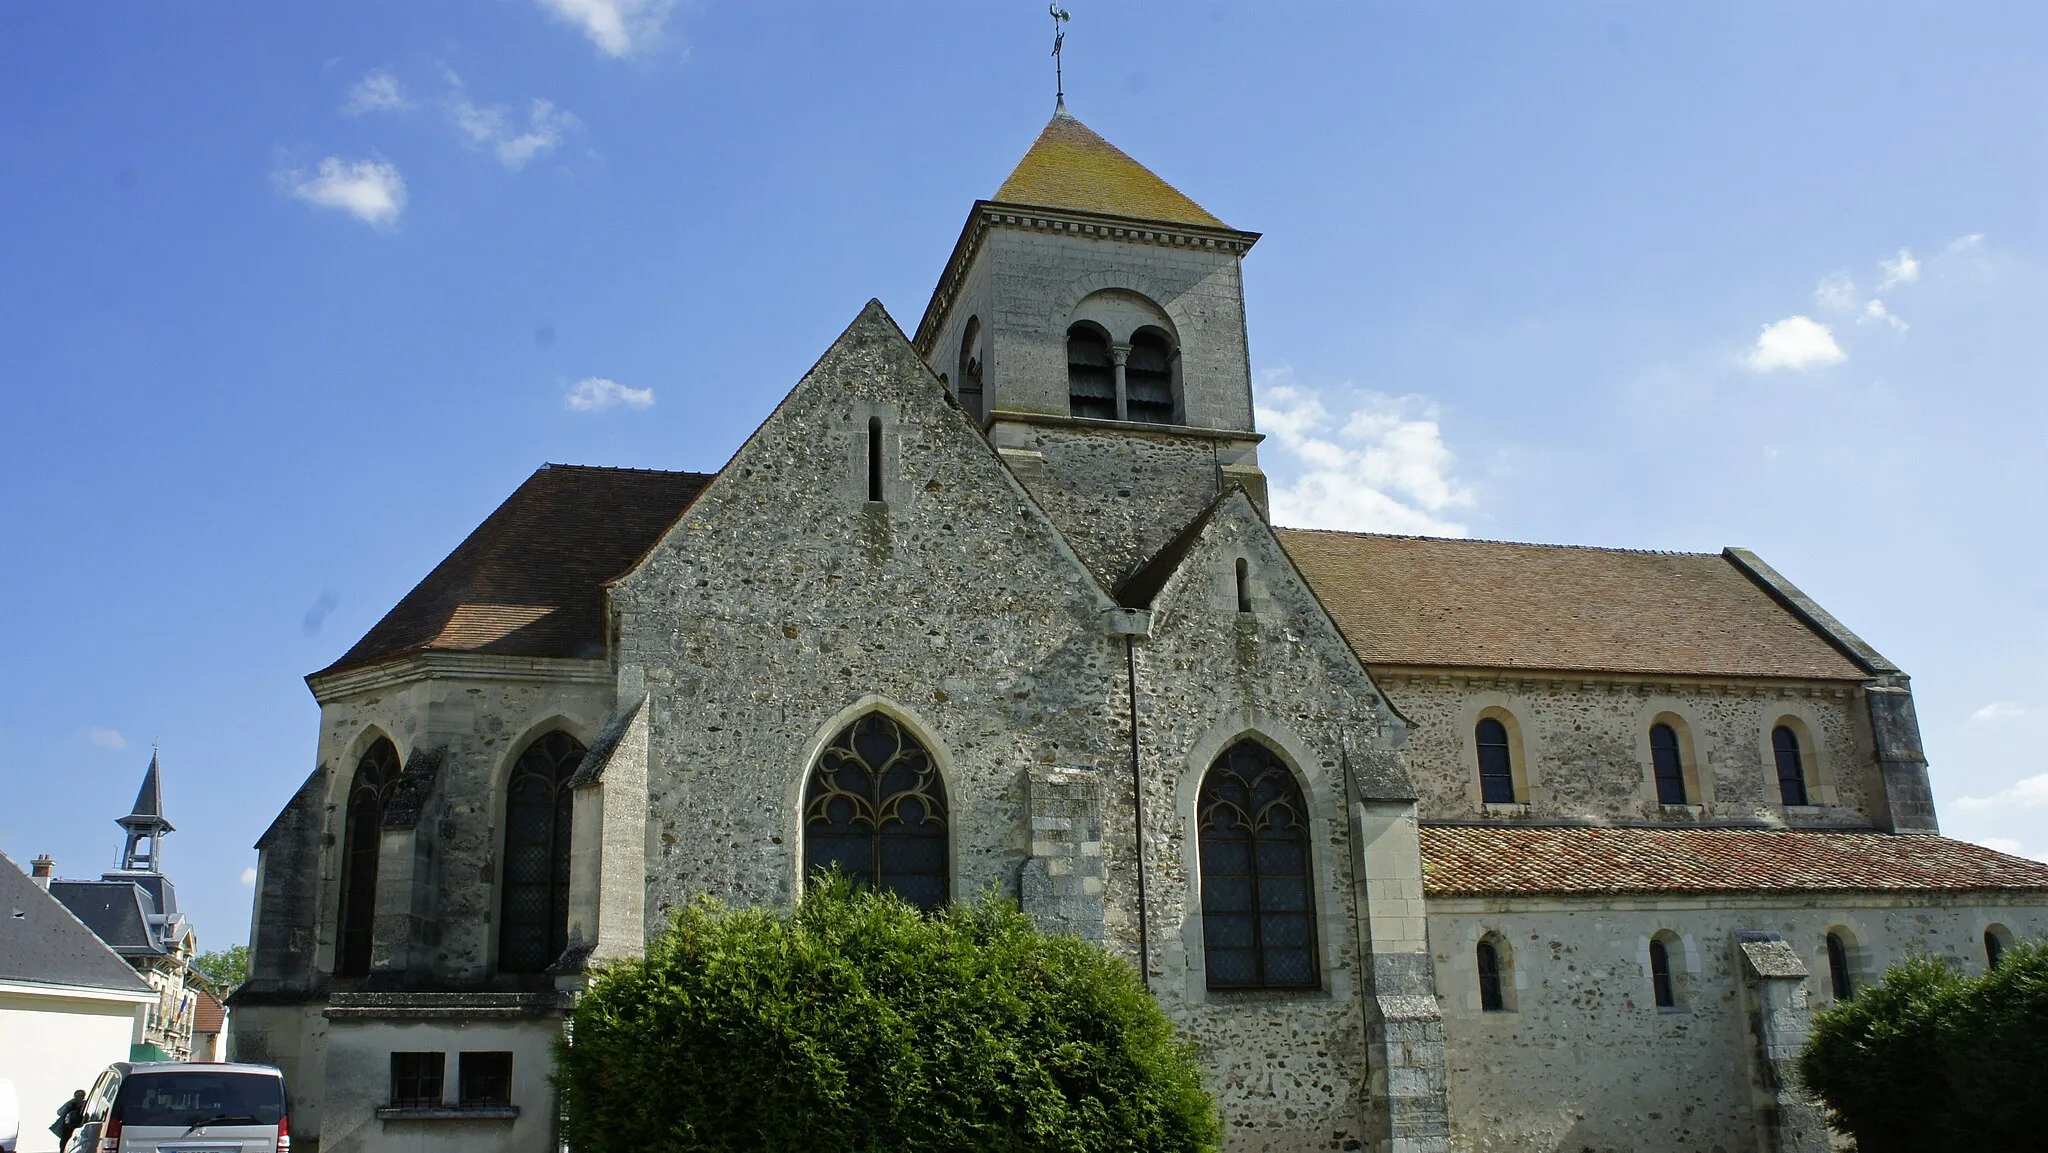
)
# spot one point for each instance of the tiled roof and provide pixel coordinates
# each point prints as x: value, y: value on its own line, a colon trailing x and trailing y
x: 43, y: 943
x: 210, y: 1015
x: 1476, y: 860
x: 530, y: 580
x: 1071, y: 167
x: 1404, y: 600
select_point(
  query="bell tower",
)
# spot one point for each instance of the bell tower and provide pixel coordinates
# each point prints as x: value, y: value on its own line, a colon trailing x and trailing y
x: 145, y: 826
x: 1091, y: 319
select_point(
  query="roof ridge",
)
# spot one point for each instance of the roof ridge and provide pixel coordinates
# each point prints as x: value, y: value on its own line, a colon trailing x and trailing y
x: 1496, y: 540
x: 552, y: 464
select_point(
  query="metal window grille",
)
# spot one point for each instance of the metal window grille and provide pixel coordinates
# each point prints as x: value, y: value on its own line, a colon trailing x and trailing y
x: 416, y: 1079
x: 486, y: 1079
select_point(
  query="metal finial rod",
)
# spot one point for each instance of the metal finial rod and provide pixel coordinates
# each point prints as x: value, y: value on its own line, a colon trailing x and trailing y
x: 1060, y: 16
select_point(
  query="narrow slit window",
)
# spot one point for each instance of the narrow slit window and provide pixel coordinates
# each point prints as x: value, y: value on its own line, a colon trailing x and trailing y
x: 1670, y: 769
x: 1660, y: 976
x: 874, y: 458
x: 1490, y: 998
x: 1838, y: 968
x: 1244, y: 590
x: 1791, y: 768
x: 1496, y: 766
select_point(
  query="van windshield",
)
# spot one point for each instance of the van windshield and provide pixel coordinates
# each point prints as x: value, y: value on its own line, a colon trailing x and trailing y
x: 185, y: 1098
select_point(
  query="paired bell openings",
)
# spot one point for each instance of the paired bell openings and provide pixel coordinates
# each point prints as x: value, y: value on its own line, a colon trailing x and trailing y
x: 1668, y: 764
x: 1663, y: 987
x: 875, y: 809
x: 1258, y: 916
x: 1091, y: 373
x: 1840, y: 979
x: 1496, y: 762
x: 967, y: 380
x: 1492, y: 959
x: 533, y: 909
x: 1148, y: 378
x: 369, y: 792
x: 1791, y: 766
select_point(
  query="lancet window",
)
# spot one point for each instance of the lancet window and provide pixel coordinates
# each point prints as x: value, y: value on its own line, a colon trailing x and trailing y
x: 368, y: 793
x: 875, y: 809
x: 1670, y: 768
x: 1258, y: 915
x: 1496, y: 765
x: 533, y: 906
x: 1791, y: 767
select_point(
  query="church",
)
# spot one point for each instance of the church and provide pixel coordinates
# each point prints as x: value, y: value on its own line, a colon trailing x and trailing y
x: 1425, y: 844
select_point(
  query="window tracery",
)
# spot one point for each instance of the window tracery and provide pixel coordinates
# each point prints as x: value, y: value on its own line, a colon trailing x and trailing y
x: 533, y: 907
x: 875, y: 809
x: 1258, y: 915
x: 369, y: 792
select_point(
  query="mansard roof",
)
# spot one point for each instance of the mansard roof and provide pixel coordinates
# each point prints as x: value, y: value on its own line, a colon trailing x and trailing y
x: 45, y: 944
x: 1070, y: 167
x: 1404, y: 600
x: 530, y: 581
x: 1476, y: 860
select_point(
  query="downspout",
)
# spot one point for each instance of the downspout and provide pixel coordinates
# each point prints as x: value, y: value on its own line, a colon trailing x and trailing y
x: 1138, y: 811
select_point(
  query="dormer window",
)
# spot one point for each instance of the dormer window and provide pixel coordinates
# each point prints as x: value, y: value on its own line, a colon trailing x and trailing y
x: 1091, y: 373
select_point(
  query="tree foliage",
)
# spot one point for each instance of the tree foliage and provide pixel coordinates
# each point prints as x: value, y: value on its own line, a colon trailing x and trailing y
x: 224, y: 968
x: 1931, y: 1059
x: 855, y: 1024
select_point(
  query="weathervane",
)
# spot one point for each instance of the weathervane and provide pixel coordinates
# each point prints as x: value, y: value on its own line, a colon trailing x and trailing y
x: 1060, y: 16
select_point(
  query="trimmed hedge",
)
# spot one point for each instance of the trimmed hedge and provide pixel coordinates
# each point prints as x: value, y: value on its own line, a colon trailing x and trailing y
x: 1931, y: 1059
x: 854, y: 1023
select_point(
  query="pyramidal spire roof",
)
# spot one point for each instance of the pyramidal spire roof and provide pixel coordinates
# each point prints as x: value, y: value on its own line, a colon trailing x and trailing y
x: 149, y: 802
x: 1071, y: 167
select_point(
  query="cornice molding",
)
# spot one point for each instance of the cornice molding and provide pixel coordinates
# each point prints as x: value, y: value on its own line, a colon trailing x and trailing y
x: 431, y: 666
x: 1396, y: 677
x: 1061, y: 420
x: 988, y: 214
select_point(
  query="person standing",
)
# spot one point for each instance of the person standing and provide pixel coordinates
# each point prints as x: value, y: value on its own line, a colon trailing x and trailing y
x: 70, y: 1116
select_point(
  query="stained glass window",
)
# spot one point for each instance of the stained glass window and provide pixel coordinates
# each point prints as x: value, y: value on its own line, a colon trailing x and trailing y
x: 533, y: 918
x: 1791, y: 772
x: 1489, y: 978
x: 1496, y: 771
x: 1670, y: 770
x: 1838, y: 968
x: 369, y: 791
x: 1258, y: 918
x: 875, y: 809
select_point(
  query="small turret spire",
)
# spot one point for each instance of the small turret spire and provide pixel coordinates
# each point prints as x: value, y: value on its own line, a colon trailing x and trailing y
x: 145, y: 823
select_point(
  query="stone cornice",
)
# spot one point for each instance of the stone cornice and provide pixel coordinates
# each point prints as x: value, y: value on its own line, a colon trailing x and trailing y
x: 988, y: 214
x: 1776, y: 901
x: 431, y: 665
x: 1397, y: 677
x: 1062, y: 420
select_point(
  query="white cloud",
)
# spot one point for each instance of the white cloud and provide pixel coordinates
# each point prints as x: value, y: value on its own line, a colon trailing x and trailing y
x: 2010, y: 847
x: 1384, y: 467
x: 1794, y: 342
x: 2026, y: 794
x: 107, y: 738
x: 1999, y: 711
x: 617, y: 27
x: 377, y: 91
x: 369, y: 190
x: 1837, y: 293
x: 1876, y: 313
x: 1902, y: 270
x: 493, y: 126
x: 249, y: 876
x: 1962, y: 244
x: 595, y: 394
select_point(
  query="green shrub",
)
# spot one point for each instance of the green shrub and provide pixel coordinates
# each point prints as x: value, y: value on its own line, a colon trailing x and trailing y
x: 1931, y: 1059
x: 855, y: 1023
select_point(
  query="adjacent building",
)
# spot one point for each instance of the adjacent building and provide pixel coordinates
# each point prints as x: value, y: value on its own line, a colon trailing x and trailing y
x: 1426, y: 844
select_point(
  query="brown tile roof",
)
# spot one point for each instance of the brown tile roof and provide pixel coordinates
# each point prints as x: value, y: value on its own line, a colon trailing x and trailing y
x: 210, y: 1015
x: 530, y: 580
x: 1476, y: 860
x: 1404, y: 600
x: 1071, y: 167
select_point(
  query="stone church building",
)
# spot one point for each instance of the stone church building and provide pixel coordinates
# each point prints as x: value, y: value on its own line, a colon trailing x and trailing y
x: 1427, y: 844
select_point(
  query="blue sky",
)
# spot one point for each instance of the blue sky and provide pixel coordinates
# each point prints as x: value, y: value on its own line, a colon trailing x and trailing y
x: 293, y: 297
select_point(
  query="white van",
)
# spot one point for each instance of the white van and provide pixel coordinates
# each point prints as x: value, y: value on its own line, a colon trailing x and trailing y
x: 185, y: 1107
x: 10, y: 1116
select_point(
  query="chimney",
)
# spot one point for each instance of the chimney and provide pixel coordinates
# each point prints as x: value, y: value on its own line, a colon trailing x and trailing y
x: 42, y: 869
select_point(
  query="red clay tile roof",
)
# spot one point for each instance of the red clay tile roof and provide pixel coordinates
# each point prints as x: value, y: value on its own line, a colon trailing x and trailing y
x: 1071, y: 167
x: 1474, y: 860
x: 530, y: 580
x: 209, y: 1016
x: 1403, y: 600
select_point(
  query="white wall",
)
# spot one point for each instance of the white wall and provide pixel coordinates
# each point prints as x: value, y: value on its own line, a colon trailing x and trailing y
x: 50, y: 1046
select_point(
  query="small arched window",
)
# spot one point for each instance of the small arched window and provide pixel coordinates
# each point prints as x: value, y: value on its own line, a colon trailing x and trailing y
x: 875, y: 809
x: 1838, y: 968
x: 1791, y: 767
x: 1661, y: 987
x: 969, y: 376
x: 1669, y: 768
x: 1091, y: 373
x: 1148, y: 378
x: 1490, y: 998
x: 1244, y: 586
x: 533, y: 910
x: 1994, y: 946
x: 1258, y: 915
x: 369, y: 791
x: 1496, y: 767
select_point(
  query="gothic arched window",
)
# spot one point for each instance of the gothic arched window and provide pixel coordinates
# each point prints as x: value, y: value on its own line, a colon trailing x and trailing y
x: 1791, y: 770
x: 968, y: 388
x: 1670, y: 769
x: 1490, y: 999
x: 1838, y: 968
x: 1148, y: 378
x: 368, y: 792
x: 875, y: 809
x: 533, y: 906
x: 1091, y: 373
x: 1661, y: 987
x: 1258, y: 918
x: 1496, y: 767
